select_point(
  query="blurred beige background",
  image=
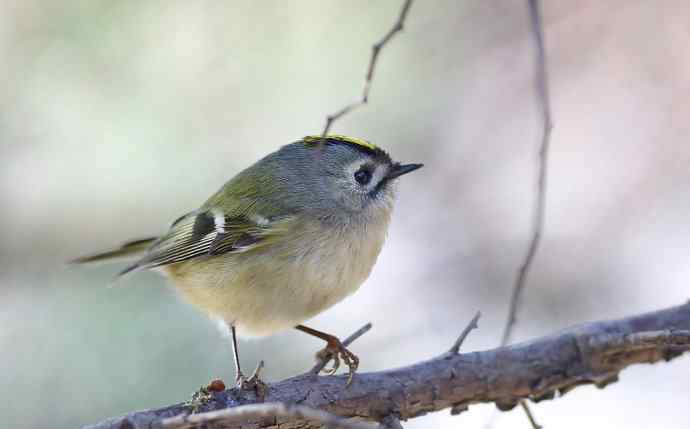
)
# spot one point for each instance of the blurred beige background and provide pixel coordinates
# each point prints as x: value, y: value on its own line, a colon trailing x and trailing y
x: 116, y: 117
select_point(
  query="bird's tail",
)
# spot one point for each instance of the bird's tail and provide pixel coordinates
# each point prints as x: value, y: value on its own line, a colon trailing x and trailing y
x: 128, y: 250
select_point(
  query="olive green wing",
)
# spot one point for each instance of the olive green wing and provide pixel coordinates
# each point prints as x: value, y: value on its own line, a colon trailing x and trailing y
x: 210, y: 232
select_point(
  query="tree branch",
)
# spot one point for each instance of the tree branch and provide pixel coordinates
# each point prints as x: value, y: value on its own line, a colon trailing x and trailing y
x: 591, y: 353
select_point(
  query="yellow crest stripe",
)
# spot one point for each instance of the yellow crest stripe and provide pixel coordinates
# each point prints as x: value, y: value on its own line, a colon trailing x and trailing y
x: 341, y: 138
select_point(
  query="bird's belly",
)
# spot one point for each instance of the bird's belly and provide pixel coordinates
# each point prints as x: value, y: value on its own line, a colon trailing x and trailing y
x: 269, y: 290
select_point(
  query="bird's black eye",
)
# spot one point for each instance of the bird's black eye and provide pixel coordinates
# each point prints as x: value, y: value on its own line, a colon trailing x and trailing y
x: 363, y: 177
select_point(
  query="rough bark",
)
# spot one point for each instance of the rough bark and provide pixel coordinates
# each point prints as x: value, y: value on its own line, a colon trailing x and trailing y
x: 545, y: 368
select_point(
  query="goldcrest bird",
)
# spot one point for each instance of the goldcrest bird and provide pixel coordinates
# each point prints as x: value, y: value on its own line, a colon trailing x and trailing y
x: 282, y: 241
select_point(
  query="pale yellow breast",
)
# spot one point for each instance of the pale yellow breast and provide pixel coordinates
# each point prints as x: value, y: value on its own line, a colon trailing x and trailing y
x: 281, y: 285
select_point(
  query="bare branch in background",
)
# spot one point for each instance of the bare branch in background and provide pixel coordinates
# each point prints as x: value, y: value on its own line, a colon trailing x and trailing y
x: 540, y: 201
x: 542, y: 86
x: 371, y: 69
x: 591, y: 353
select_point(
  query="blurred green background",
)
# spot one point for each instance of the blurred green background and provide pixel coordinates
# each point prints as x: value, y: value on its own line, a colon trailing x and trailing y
x: 116, y: 117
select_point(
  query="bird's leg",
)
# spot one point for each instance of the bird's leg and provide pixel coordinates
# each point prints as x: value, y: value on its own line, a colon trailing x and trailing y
x: 254, y: 382
x: 239, y: 377
x: 334, y: 350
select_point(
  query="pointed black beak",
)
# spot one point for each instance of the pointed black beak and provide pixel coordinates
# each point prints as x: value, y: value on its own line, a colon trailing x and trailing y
x: 399, y: 169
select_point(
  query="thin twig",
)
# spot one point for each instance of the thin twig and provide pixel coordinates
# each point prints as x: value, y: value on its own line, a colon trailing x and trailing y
x: 461, y: 339
x: 321, y: 363
x: 542, y: 87
x: 371, y: 69
x: 530, y: 416
x: 251, y: 412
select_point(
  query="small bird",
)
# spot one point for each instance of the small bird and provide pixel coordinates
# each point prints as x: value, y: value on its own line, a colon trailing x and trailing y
x: 282, y: 241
